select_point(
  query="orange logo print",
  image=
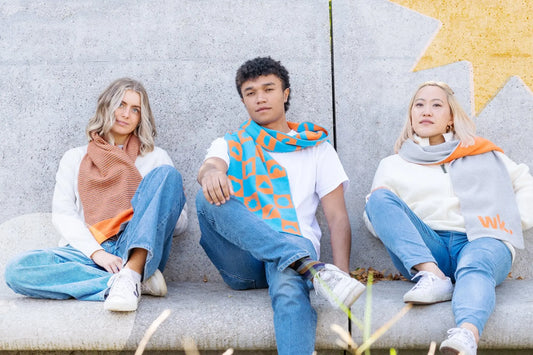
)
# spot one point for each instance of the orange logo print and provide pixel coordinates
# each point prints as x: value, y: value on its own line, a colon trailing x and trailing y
x: 494, y: 223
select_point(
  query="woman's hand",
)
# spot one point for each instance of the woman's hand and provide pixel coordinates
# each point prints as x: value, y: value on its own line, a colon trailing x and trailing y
x: 111, y: 263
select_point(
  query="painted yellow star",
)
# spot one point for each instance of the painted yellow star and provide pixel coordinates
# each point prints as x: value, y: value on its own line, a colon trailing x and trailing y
x: 495, y: 36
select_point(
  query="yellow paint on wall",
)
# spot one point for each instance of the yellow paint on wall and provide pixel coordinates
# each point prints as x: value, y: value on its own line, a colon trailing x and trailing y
x: 495, y: 36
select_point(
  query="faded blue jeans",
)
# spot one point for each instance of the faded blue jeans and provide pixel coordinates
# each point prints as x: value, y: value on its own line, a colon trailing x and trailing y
x: 477, y: 267
x: 249, y: 254
x: 65, y: 272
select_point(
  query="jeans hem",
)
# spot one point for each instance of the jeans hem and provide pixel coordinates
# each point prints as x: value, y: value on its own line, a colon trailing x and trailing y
x: 291, y: 260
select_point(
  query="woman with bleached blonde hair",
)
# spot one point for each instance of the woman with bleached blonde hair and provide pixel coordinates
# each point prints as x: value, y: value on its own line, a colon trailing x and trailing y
x: 110, y: 100
x: 462, y: 127
x: 117, y: 202
x: 450, y: 208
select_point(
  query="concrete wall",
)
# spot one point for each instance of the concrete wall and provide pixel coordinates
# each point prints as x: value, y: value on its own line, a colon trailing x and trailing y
x: 56, y: 57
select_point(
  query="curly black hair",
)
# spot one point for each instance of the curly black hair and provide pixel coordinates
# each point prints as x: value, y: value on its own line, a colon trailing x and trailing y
x: 259, y: 66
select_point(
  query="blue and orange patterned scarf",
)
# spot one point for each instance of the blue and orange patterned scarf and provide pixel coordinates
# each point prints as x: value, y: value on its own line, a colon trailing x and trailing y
x: 258, y: 180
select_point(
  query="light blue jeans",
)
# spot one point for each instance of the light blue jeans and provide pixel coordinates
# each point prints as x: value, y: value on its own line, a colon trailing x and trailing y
x: 477, y: 267
x: 249, y: 254
x: 65, y: 272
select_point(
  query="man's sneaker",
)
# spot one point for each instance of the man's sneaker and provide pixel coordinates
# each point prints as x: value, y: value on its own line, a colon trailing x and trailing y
x: 337, y: 286
x: 429, y: 289
x: 155, y: 285
x: 460, y: 341
x: 124, y: 293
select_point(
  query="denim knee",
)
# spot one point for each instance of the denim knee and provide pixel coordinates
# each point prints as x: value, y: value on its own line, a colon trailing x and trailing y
x: 166, y: 173
x: 11, y: 272
x: 201, y: 201
x: 14, y: 271
x: 204, y: 208
x: 486, y: 256
x: 379, y: 197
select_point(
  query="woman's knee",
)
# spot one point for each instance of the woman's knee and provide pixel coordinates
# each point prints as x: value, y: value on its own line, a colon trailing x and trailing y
x: 487, y: 256
x: 380, y: 198
x: 17, y: 268
x: 11, y: 272
x: 166, y: 174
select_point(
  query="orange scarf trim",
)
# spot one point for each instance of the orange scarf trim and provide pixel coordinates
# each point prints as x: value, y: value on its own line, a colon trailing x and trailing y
x: 480, y: 146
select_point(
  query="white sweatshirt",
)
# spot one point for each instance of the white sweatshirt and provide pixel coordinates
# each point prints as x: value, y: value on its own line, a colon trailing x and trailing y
x: 428, y: 191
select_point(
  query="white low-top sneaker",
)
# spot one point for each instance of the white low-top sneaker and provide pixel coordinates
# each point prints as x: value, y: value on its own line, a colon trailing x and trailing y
x: 155, y: 285
x: 460, y: 341
x: 124, y: 293
x: 429, y: 289
x: 337, y: 286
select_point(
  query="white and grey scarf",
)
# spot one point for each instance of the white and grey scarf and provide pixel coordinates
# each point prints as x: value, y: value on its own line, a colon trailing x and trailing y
x: 481, y: 182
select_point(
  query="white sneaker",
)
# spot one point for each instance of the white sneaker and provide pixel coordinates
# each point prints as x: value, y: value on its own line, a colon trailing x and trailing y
x: 460, y: 341
x: 124, y: 293
x: 337, y: 286
x: 429, y: 289
x: 155, y: 285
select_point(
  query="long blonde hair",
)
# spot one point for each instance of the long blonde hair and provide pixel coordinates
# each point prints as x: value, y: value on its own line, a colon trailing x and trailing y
x: 109, y: 101
x: 463, y: 127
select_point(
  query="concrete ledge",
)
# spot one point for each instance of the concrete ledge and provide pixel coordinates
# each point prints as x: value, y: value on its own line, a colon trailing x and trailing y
x: 217, y: 318
x: 212, y: 315
x: 509, y: 327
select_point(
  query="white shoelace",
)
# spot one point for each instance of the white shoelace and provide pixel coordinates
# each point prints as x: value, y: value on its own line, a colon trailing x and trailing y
x: 426, y: 279
x: 122, y: 284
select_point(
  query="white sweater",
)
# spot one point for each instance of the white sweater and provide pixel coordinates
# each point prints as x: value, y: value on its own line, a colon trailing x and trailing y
x: 428, y: 191
x: 67, y: 211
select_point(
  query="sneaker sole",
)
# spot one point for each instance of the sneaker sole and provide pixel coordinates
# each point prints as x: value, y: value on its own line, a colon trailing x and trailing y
x: 358, y: 290
x: 415, y: 301
x: 449, y: 351
x: 119, y: 307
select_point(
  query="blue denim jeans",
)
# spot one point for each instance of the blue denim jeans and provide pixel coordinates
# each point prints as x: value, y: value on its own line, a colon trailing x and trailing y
x: 249, y: 254
x: 65, y: 272
x: 476, y: 267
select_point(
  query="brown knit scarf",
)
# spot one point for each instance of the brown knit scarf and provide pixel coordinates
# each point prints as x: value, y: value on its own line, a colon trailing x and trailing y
x: 107, y: 181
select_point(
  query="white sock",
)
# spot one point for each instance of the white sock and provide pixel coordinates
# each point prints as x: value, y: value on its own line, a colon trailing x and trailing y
x: 134, y: 275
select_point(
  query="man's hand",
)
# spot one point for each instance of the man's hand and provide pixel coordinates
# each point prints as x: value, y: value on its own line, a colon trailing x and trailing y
x: 215, y: 183
x: 111, y: 263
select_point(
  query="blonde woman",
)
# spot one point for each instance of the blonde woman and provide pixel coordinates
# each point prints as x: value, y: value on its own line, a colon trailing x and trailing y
x: 450, y: 208
x: 117, y: 202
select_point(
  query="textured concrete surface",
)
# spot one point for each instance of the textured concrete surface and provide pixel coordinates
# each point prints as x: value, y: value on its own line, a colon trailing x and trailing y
x: 507, y: 328
x: 214, y: 317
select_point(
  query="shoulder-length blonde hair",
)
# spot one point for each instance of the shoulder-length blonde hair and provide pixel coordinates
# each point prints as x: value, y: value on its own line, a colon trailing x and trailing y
x: 463, y: 127
x: 109, y: 101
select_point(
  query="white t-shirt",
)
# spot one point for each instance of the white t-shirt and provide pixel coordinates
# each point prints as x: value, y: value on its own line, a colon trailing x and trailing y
x: 313, y: 173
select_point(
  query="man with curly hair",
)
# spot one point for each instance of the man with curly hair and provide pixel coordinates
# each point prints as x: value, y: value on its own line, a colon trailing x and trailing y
x: 261, y: 186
